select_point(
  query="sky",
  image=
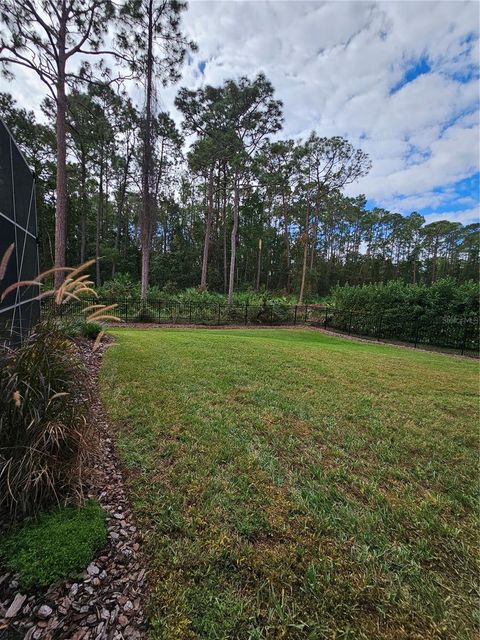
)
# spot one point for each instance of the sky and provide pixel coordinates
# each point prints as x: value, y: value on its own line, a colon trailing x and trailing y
x: 398, y: 79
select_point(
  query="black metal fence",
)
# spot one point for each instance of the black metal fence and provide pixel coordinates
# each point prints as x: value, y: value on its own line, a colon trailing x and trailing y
x: 449, y: 332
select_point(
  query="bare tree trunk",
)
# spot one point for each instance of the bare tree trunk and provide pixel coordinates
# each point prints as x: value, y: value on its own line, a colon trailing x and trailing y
x: 305, y: 256
x: 287, y: 242
x: 61, y: 185
x: 120, y: 209
x: 146, y: 217
x: 208, y: 230
x: 83, y: 215
x: 224, y: 220
x: 233, y: 240
x: 259, y: 264
x: 98, y: 223
x: 434, y: 261
x: 314, y: 239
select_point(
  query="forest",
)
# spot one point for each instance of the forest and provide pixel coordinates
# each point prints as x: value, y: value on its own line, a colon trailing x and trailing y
x: 220, y: 201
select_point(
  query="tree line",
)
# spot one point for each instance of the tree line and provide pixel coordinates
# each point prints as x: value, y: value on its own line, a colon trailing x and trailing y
x: 222, y: 201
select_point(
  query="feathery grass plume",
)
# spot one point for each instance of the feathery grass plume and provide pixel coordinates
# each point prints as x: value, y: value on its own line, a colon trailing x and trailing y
x: 98, y: 339
x: 73, y: 287
x: 5, y: 259
x: 45, y: 434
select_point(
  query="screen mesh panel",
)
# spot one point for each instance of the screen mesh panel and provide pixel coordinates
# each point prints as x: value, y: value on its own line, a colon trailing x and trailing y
x: 18, y: 225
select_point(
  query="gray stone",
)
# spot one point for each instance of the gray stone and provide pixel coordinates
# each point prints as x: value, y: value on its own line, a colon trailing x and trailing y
x: 16, y: 605
x: 92, y: 569
x: 44, y: 612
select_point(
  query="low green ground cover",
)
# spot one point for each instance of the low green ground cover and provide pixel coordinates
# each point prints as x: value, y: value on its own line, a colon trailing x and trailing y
x: 296, y: 485
x: 56, y: 545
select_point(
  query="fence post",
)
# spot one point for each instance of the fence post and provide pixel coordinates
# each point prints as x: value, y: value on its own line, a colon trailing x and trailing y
x: 126, y: 309
x: 417, y: 322
x: 325, y: 320
x: 350, y: 323
x: 379, y: 329
x: 306, y: 314
x: 218, y: 314
x: 295, y: 315
x: 464, y: 339
x: 190, y: 312
x: 246, y: 312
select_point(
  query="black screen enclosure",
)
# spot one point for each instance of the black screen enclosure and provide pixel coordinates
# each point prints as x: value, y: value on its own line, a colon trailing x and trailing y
x: 18, y: 226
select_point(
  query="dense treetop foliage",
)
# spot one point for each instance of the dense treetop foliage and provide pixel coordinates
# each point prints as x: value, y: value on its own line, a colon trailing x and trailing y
x: 221, y: 202
x: 347, y: 243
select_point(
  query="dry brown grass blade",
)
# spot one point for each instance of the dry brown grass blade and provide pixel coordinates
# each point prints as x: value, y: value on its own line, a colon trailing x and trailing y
x: 71, y: 281
x: 101, y: 311
x: 50, y: 292
x: 92, y: 306
x: 48, y: 272
x: 98, y: 339
x: 105, y: 317
x: 6, y: 257
x: 16, y: 285
x: 69, y: 296
x: 83, y: 288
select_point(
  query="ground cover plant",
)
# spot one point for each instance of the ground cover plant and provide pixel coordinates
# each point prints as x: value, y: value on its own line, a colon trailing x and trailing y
x: 296, y: 485
x: 57, y: 545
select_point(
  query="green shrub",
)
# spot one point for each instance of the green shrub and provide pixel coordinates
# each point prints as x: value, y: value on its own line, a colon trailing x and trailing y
x: 43, y: 427
x: 442, y: 298
x: 69, y: 326
x: 145, y: 314
x: 90, y: 330
x: 57, y: 545
x: 121, y: 286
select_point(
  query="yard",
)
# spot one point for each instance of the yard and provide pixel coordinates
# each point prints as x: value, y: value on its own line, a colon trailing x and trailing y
x: 296, y: 485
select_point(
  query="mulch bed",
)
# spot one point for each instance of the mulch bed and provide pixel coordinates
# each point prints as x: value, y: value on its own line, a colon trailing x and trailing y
x: 107, y: 600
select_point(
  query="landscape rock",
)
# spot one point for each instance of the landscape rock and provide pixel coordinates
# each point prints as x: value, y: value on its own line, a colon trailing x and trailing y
x: 16, y: 605
x: 89, y: 608
x: 44, y: 612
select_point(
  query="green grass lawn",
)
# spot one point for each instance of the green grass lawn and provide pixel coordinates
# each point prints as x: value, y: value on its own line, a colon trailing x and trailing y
x: 296, y: 485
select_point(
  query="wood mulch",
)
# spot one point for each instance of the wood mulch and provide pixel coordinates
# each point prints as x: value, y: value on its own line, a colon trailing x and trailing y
x: 106, y: 602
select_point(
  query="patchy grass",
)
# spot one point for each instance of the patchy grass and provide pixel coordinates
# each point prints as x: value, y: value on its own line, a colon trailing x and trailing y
x: 58, y: 544
x: 296, y: 485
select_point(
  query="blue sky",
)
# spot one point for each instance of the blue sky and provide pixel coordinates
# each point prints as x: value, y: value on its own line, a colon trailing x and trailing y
x: 399, y: 79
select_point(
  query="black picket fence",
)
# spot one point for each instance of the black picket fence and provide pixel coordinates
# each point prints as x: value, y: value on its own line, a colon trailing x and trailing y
x: 446, y: 332
x: 456, y: 333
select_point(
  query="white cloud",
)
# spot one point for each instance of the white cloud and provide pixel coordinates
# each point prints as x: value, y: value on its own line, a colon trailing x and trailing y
x: 334, y: 65
x: 466, y: 216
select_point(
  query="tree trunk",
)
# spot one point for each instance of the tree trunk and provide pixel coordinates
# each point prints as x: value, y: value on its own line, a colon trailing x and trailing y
x: 305, y: 256
x: 233, y: 240
x: 224, y: 221
x: 259, y: 264
x: 314, y: 238
x: 434, y: 260
x: 61, y: 185
x: 146, y: 217
x: 120, y: 210
x: 208, y: 230
x: 83, y: 215
x: 99, y: 222
x: 287, y: 243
